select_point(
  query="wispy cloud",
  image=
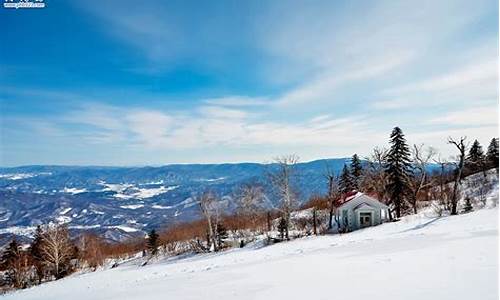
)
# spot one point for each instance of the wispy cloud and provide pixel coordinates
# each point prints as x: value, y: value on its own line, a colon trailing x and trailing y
x: 219, y: 112
x: 238, y: 101
x: 480, y: 76
x: 324, y: 87
x: 211, y: 126
x: 393, y: 104
x: 470, y: 117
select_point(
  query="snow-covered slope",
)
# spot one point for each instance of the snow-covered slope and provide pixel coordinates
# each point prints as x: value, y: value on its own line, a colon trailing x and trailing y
x: 417, y: 258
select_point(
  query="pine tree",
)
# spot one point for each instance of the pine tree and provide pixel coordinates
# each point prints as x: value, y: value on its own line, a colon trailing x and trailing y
x: 37, y: 242
x: 356, y: 171
x: 8, y: 262
x: 346, y: 181
x: 282, y: 226
x: 475, y: 158
x: 153, y: 242
x: 35, y: 251
x: 468, y: 205
x: 221, y: 235
x: 398, y: 169
x: 492, y: 154
x: 10, y: 254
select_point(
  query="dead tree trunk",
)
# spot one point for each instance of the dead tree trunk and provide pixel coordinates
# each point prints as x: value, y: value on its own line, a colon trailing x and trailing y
x: 314, y: 222
x: 461, y: 146
x: 269, y: 228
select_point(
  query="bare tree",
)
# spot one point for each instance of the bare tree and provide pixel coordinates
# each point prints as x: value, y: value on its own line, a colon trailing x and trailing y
x: 281, y: 180
x: 418, y: 182
x: 462, y: 148
x: 24, y: 270
x: 333, y: 196
x: 56, y: 249
x: 375, y: 179
x: 90, y: 246
x: 211, y: 208
x: 251, y: 200
x: 443, y: 177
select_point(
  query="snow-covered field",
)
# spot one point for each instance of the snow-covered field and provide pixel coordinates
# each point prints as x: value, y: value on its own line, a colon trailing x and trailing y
x: 417, y: 258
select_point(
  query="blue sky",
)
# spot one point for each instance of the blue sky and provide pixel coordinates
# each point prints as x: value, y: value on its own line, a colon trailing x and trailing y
x: 156, y: 82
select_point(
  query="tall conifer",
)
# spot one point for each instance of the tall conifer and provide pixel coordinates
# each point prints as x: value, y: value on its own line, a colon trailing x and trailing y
x: 153, y: 242
x: 345, y: 181
x: 356, y: 171
x: 398, y: 169
x: 492, y: 154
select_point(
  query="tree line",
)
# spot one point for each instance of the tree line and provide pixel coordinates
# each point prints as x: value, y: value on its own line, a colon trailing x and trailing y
x: 402, y: 176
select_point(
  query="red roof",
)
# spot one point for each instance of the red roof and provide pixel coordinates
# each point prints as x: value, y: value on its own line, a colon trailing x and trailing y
x: 349, y: 196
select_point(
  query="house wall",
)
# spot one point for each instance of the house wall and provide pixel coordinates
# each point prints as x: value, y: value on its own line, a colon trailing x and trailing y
x: 353, y: 214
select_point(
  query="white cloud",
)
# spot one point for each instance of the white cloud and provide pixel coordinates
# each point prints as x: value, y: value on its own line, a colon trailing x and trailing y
x: 150, y: 127
x: 478, y: 76
x: 324, y: 87
x: 96, y: 115
x: 238, y: 101
x: 212, y: 126
x: 471, y: 117
x: 222, y: 112
x: 392, y: 104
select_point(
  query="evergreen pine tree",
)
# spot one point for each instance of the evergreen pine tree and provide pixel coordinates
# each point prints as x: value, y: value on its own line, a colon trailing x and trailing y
x: 8, y: 262
x: 398, y: 169
x: 36, y: 253
x: 221, y: 235
x: 282, y: 226
x: 356, y: 171
x: 153, y: 242
x: 475, y: 158
x: 34, y: 249
x: 492, y: 154
x: 345, y: 180
x: 468, y: 205
x: 10, y: 254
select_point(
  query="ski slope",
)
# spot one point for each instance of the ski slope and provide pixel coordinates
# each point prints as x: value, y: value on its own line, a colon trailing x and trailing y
x: 417, y: 258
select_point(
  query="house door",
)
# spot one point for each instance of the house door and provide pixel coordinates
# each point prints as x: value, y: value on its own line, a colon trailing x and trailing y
x: 365, y: 219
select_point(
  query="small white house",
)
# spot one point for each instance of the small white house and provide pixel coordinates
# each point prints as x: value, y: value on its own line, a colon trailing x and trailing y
x: 360, y: 211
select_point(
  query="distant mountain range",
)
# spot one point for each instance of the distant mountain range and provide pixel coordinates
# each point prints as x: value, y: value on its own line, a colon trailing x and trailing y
x: 121, y: 202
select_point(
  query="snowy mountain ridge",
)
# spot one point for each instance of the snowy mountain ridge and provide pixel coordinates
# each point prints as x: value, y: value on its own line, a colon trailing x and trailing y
x: 107, y: 199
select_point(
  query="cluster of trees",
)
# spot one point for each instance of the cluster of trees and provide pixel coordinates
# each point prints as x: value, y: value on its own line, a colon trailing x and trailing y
x: 478, y: 161
x: 400, y: 175
x: 48, y: 257
x: 53, y: 254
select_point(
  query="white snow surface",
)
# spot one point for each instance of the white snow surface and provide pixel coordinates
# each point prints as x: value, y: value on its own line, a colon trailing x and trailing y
x: 132, y: 206
x: 156, y: 206
x: 129, y: 191
x: 18, y: 176
x: 73, y: 191
x: 419, y: 257
x: 65, y: 210
x: 124, y: 228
